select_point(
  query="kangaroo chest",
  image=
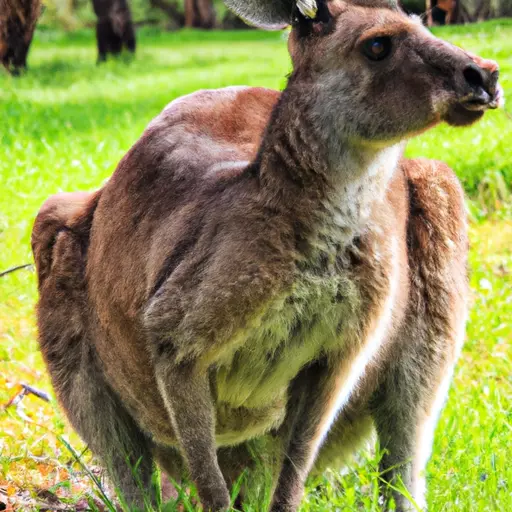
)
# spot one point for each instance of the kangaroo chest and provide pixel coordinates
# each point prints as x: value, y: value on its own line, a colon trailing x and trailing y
x: 324, y: 311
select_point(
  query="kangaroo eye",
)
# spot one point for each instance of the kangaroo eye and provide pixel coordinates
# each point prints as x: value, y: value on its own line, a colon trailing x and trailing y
x: 377, y: 48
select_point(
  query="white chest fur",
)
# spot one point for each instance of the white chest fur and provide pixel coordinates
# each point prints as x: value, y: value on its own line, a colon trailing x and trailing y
x: 324, y: 311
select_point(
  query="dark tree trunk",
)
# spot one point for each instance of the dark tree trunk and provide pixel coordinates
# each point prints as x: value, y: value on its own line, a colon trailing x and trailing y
x: 18, y: 20
x: 176, y: 17
x: 505, y: 8
x: 463, y: 14
x: 199, y: 14
x: 114, y: 28
x: 483, y: 10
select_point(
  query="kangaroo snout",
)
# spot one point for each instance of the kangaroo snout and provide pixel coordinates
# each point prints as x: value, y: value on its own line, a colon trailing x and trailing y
x: 478, y: 90
x: 482, y: 84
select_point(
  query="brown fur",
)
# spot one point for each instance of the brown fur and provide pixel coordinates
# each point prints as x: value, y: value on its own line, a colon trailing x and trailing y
x: 448, y: 6
x: 262, y: 264
x: 18, y: 20
x: 114, y: 28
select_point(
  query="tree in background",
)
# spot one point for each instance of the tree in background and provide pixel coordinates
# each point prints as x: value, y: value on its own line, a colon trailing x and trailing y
x: 445, y: 12
x: 172, y: 10
x: 199, y: 14
x: 18, y: 20
x: 459, y: 11
x: 484, y: 9
x: 114, y: 28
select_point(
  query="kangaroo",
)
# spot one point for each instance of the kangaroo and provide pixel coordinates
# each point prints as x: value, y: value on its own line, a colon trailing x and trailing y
x: 18, y: 20
x: 266, y: 264
x: 114, y: 28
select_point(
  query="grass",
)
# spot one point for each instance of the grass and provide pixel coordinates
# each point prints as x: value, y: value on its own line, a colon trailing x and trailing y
x: 66, y: 124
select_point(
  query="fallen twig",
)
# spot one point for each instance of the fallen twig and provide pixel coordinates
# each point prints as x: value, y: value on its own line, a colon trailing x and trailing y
x: 24, y: 390
x: 37, y: 392
x: 14, y: 269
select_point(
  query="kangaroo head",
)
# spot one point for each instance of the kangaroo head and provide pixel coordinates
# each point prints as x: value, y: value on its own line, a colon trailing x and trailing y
x: 374, y: 73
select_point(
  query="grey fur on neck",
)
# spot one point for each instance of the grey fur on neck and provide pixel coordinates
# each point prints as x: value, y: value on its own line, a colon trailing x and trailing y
x: 341, y: 177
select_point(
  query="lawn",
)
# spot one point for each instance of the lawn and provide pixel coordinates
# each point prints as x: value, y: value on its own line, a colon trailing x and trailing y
x: 66, y: 124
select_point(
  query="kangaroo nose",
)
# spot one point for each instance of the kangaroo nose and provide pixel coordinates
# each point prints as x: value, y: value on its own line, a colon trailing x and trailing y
x: 481, y: 80
x: 481, y: 83
x: 474, y: 76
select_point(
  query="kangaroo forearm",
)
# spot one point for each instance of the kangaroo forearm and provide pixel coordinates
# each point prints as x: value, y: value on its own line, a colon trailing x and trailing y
x: 187, y: 397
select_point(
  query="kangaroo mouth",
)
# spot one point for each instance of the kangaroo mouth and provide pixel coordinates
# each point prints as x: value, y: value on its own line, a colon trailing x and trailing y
x: 476, y: 105
x: 471, y: 108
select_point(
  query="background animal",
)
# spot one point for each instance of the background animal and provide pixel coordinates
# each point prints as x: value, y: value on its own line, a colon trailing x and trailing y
x: 114, y: 29
x: 17, y: 24
x: 227, y: 320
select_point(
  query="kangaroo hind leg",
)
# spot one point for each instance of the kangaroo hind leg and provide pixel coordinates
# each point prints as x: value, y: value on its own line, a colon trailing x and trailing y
x: 59, y: 241
x: 415, y: 384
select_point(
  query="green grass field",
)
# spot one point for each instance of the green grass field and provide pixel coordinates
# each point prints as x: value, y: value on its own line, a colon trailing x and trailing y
x: 66, y: 124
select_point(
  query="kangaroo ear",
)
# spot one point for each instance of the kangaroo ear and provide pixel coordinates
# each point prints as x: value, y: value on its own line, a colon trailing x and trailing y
x: 268, y: 14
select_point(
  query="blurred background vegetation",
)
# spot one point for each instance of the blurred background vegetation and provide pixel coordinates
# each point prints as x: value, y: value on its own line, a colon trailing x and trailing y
x: 117, y: 21
x: 168, y: 14
x: 72, y: 14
